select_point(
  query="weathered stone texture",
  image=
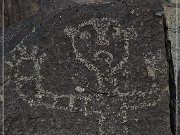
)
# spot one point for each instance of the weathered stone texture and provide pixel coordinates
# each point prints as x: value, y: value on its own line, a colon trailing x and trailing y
x: 17, y: 10
x: 96, y: 69
x: 173, y: 22
x: 172, y: 14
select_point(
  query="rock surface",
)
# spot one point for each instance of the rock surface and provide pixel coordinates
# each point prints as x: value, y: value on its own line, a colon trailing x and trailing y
x: 172, y: 14
x: 94, y: 69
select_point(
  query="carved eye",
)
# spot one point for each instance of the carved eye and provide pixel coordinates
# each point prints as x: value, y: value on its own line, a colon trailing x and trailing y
x: 115, y: 31
x: 85, y: 35
x: 87, y: 32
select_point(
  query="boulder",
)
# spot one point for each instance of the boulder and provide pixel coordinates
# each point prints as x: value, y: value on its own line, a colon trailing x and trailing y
x: 94, y: 69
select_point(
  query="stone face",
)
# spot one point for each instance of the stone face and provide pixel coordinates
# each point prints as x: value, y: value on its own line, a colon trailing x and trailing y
x: 173, y: 23
x: 96, y: 69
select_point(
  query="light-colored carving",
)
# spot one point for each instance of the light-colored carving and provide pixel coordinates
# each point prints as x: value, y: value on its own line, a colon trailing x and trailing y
x: 101, y: 26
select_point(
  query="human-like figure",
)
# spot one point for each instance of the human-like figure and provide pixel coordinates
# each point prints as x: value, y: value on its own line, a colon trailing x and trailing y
x: 102, y: 46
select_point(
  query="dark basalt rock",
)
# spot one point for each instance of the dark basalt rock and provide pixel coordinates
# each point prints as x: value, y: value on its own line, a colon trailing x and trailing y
x: 96, y: 69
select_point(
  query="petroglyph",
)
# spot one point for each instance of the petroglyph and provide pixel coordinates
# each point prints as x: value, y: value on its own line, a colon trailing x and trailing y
x: 152, y: 61
x: 92, y: 69
x: 21, y: 57
x: 90, y: 42
x: 94, y: 36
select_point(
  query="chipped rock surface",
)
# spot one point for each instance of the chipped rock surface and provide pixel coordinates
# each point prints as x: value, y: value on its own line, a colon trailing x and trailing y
x: 95, y: 69
x: 172, y: 14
